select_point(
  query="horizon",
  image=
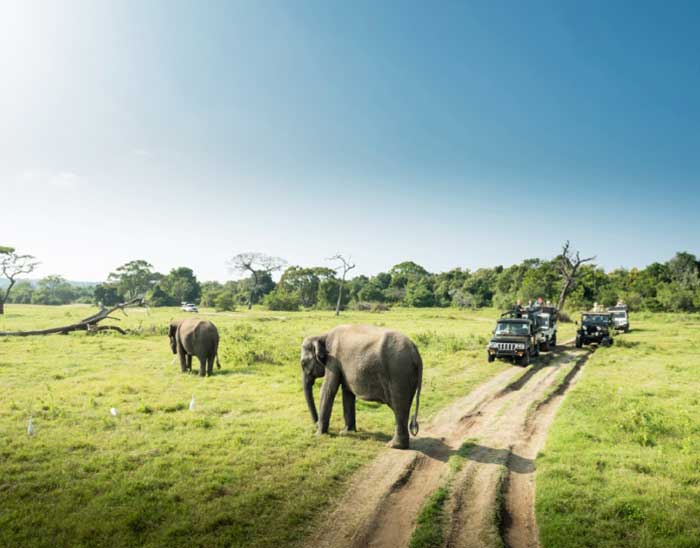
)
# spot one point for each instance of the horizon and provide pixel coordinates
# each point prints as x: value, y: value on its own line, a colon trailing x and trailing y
x: 276, y: 275
x: 451, y: 136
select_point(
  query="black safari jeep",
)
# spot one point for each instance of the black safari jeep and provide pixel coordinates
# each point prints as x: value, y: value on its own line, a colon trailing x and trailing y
x: 595, y: 327
x: 514, y: 338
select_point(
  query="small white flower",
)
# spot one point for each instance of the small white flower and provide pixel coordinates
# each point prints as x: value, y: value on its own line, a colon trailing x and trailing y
x: 30, y: 427
x: 113, y: 412
x: 192, y: 403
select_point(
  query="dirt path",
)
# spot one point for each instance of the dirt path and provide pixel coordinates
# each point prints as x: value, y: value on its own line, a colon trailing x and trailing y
x: 504, y: 432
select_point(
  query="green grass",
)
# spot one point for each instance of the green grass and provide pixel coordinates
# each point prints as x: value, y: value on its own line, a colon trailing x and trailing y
x: 621, y: 467
x: 242, y: 469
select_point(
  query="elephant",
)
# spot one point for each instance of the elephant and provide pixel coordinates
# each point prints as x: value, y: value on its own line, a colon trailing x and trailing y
x: 368, y: 362
x: 194, y: 337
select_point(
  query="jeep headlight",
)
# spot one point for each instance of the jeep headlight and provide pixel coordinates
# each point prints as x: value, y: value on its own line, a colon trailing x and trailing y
x: 520, y: 346
x: 493, y: 345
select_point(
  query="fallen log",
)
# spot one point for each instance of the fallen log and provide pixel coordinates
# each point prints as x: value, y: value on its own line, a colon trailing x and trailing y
x: 87, y: 324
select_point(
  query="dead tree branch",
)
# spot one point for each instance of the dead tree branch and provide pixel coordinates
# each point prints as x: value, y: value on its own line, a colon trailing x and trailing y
x: 568, y: 265
x: 88, y: 324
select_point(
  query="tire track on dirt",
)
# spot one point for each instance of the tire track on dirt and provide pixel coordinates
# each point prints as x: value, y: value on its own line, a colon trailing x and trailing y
x: 381, y: 505
x: 492, y: 501
x: 518, y: 521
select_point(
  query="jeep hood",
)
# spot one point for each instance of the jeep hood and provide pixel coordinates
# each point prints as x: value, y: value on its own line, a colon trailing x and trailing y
x: 510, y: 339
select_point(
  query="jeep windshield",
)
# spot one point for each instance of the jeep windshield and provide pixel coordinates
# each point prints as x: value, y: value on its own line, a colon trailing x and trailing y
x: 514, y: 329
x: 619, y: 314
x: 597, y: 319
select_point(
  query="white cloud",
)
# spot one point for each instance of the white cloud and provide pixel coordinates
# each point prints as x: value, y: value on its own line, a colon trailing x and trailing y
x: 65, y: 180
x: 142, y: 153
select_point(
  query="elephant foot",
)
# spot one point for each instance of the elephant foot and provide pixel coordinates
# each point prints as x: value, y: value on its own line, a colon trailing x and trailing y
x: 345, y: 431
x: 397, y: 443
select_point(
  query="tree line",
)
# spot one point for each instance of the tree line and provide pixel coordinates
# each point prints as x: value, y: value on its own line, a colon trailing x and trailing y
x: 672, y: 286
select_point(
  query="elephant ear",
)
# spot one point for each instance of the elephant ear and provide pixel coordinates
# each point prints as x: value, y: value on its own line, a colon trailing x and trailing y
x: 320, y: 352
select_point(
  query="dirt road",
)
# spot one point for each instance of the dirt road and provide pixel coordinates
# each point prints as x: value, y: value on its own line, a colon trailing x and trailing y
x: 497, y: 429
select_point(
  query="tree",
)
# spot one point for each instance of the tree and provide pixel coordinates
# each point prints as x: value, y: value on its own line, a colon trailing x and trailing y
x: 22, y: 293
x: 13, y: 265
x: 258, y: 265
x: 53, y: 290
x: 345, y: 265
x: 107, y: 294
x: 419, y: 293
x: 180, y: 285
x: 134, y: 279
x: 303, y: 281
x: 568, y: 264
x: 405, y: 272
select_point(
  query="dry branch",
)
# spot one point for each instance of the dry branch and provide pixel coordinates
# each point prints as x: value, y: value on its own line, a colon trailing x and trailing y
x: 88, y: 324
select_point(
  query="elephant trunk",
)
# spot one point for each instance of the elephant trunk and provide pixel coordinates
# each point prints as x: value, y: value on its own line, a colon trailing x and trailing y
x: 308, y: 382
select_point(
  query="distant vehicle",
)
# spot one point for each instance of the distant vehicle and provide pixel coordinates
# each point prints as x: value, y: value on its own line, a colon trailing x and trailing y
x: 189, y: 307
x: 545, y: 318
x: 621, y: 318
x: 595, y: 327
x: 514, y: 339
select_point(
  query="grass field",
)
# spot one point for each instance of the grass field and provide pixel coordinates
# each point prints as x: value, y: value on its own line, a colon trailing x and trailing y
x: 621, y: 467
x: 242, y: 469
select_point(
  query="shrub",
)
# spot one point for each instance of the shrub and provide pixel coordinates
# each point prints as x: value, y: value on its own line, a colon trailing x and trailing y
x: 225, y: 301
x: 283, y: 300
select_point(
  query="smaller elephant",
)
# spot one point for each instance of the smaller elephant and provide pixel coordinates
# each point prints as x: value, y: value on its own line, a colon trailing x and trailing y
x: 194, y: 337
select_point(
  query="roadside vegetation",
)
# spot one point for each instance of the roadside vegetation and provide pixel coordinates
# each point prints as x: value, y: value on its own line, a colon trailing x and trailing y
x: 241, y: 468
x: 621, y: 467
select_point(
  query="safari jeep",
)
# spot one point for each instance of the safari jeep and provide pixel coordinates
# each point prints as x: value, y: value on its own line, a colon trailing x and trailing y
x: 595, y: 327
x: 514, y: 339
x: 545, y: 318
x: 621, y: 319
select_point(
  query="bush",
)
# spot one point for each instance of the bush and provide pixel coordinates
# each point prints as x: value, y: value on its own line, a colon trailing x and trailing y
x: 225, y: 302
x: 282, y: 300
x: 380, y: 307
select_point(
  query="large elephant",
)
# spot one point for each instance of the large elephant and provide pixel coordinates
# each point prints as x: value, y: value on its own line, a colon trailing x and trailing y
x: 367, y: 362
x: 194, y: 337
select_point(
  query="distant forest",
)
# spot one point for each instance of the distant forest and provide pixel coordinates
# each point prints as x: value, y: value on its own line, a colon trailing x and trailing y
x: 670, y: 286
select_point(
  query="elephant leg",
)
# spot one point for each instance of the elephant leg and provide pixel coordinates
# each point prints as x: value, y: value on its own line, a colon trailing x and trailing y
x: 189, y: 362
x: 183, y: 360
x: 329, y: 389
x: 202, y: 366
x: 349, y: 410
x: 210, y: 365
x: 401, y: 414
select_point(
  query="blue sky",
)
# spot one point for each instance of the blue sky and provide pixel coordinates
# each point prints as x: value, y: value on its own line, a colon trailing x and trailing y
x: 453, y: 133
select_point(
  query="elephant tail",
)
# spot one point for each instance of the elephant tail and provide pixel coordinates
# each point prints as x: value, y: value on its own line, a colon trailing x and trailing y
x: 218, y: 363
x: 413, y: 426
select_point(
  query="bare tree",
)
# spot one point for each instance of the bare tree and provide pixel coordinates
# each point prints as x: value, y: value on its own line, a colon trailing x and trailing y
x: 568, y: 263
x: 256, y: 264
x: 13, y: 265
x: 344, y: 266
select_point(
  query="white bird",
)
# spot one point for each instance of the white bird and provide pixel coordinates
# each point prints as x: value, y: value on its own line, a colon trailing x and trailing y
x: 113, y: 412
x: 192, y: 403
x: 30, y: 427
